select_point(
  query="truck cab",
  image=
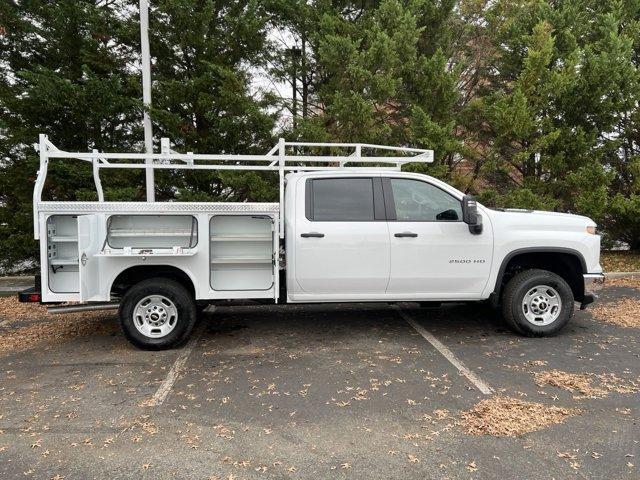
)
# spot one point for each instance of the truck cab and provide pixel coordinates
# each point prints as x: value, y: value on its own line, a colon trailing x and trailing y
x: 371, y: 236
x: 375, y: 237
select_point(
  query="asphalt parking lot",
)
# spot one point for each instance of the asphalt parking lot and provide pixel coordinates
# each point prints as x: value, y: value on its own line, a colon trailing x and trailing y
x: 348, y: 391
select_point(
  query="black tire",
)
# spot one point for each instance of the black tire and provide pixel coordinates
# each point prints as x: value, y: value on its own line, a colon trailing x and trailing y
x: 514, y: 296
x: 183, y: 303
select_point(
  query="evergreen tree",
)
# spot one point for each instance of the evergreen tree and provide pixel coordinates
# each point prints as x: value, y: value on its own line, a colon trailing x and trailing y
x: 378, y: 72
x: 526, y: 103
x: 559, y: 76
x: 203, y: 52
x: 65, y: 73
x: 621, y: 221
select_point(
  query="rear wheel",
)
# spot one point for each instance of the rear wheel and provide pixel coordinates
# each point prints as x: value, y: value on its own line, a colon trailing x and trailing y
x: 537, y: 303
x: 157, y: 314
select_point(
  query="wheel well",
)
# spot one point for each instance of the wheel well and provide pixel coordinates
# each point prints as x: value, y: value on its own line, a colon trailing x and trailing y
x: 566, y: 265
x: 132, y: 275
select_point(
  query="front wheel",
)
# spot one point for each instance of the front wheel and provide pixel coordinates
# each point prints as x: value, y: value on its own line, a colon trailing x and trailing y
x: 157, y: 314
x: 537, y: 303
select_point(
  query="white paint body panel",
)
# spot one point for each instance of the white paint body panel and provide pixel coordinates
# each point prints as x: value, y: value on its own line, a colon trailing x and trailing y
x: 110, y: 262
x: 427, y: 264
x: 90, y: 231
x: 351, y: 259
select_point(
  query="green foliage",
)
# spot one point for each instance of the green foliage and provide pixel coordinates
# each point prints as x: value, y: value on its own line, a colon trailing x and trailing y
x: 60, y: 75
x: 526, y: 103
x: 623, y: 220
x: 201, y: 98
x: 556, y: 106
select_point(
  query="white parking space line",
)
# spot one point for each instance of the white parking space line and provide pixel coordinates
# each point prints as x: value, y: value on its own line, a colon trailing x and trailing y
x: 446, y: 353
x: 165, y: 387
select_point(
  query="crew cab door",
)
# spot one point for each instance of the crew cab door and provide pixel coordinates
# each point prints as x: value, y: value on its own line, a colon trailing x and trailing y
x: 433, y: 254
x: 91, y: 237
x: 341, y: 238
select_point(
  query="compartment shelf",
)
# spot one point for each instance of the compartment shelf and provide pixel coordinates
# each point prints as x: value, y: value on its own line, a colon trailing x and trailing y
x: 63, y: 261
x: 63, y: 239
x: 156, y: 252
x: 242, y: 250
x: 216, y: 260
x: 242, y: 237
x: 150, y: 233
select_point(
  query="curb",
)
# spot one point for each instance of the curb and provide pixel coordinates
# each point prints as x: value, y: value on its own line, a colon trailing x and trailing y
x: 13, y: 284
x: 621, y: 274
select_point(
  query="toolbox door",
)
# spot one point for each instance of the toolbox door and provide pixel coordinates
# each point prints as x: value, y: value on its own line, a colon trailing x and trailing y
x: 91, y: 236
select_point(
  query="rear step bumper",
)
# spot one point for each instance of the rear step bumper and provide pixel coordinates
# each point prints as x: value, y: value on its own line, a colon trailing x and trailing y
x: 30, y: 295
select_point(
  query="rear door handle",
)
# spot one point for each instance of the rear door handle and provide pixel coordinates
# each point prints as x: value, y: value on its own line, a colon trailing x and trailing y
x: 312, y: 235
x: 406, y: 234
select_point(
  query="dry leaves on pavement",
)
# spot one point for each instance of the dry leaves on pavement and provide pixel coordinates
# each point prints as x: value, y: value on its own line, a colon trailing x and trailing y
x: 48, y: 327
x: 624, y: 312
x: 629, y: 282
x: 11, y: 310
x: 507, y: 417
x: 586, y: 384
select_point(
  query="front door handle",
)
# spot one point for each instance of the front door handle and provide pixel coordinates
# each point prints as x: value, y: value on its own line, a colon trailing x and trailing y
x: 312, y: 235
x: 406, y: 234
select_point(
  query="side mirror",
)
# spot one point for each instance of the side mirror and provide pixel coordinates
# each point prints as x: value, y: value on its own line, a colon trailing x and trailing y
x: 470, y: 214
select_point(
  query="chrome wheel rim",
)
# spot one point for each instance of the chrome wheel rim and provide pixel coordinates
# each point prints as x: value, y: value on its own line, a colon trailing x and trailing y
x: 155, y: 316
x: 541, y: 305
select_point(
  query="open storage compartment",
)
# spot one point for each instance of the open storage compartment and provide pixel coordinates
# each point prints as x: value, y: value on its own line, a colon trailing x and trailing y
x: 150, y: 235
x: 241, y: 252
x: 62, y: 253
x: 152, y: 231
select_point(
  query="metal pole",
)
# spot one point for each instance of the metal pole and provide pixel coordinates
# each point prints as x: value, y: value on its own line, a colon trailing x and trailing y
x: 281, y: 153
x: 295, y: 53
x: 146, y: 96
x: 294, y: 110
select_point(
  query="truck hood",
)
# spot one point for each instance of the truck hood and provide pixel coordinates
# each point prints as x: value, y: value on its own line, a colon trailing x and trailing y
x: 539, y: 219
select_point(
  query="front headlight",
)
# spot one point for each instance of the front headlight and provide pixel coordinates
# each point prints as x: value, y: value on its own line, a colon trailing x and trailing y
x: 591, y: 229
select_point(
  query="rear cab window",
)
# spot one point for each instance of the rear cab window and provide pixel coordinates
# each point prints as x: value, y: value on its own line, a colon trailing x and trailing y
x: 344, y: 199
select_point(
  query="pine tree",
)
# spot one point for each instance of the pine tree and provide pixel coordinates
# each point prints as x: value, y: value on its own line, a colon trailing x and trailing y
x: 378, y: 72
x: 559, y: 76
x: 64, y: 72
x: 203, y: 52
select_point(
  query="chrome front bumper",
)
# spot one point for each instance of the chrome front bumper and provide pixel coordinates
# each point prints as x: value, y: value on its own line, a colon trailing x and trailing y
x: 590, y: 279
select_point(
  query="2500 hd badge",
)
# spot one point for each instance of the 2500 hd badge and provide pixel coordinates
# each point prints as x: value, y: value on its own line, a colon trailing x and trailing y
x: 467, y: 260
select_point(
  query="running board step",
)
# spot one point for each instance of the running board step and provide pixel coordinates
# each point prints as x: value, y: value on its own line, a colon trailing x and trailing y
x: 89, y: 307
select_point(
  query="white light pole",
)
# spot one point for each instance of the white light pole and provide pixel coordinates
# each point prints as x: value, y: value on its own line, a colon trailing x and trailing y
x: 146, y: 96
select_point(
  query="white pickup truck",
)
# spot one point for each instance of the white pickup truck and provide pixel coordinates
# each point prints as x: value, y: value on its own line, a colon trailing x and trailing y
x: 340, y: 233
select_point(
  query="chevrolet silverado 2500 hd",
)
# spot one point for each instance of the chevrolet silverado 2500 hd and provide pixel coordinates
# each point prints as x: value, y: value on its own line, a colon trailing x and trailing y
x: 350, y: 232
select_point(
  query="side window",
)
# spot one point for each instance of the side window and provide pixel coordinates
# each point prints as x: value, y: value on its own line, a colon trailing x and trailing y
x: 418, y: 201
x: 340, y: 200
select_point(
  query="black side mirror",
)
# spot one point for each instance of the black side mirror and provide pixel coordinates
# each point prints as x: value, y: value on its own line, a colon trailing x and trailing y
x: 470, y: 214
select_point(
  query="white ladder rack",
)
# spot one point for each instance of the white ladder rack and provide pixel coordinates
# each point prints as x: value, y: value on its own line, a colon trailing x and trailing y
x: 279, y: 159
